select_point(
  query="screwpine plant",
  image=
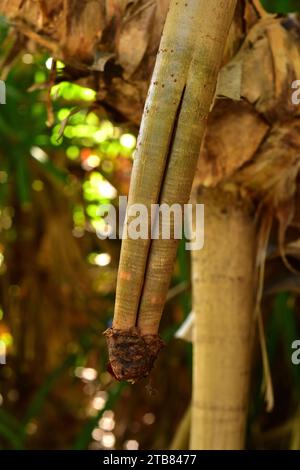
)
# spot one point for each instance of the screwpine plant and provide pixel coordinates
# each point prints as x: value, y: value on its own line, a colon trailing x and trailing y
x: 219, y: 112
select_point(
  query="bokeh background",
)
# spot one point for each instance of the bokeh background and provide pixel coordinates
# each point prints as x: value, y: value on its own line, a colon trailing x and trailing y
x: 62, y: 156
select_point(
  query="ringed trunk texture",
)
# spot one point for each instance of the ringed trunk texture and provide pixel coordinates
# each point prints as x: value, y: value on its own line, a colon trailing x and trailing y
x: 223, y: 297
x: 180, y: 96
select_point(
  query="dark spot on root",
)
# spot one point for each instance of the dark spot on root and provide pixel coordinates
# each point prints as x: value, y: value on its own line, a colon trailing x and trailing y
x: 131, y: 356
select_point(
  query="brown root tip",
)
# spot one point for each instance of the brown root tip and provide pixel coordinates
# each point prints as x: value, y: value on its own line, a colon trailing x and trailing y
x: 131, y: 355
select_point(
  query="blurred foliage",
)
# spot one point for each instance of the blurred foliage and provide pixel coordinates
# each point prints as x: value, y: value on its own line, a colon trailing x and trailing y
x: 61, y: 158
x: 282, y: 6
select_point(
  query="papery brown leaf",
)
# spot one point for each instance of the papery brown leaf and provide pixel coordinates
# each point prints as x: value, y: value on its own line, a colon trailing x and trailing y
x: 230, y: 123
x: 136, y: 30
x: 272, y: 173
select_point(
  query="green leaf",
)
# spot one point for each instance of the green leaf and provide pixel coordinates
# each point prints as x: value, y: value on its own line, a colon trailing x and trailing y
x: 23, y: 178
x: 281, y: 6
x: 9, y: 420
x: 3, y: 28
x: 54, y: 171
x: 184, y: 276
x: 41, y: 395
x: 283, y: 326
x: 11, y: 430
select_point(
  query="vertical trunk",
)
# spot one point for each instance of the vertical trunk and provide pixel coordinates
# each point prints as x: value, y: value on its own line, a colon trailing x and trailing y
x: 223, y: 295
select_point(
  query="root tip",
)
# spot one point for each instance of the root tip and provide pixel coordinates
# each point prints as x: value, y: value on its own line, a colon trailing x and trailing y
x: 131, y: 355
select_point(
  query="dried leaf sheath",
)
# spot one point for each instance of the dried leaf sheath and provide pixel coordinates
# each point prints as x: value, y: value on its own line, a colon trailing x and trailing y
x: 168, y: 147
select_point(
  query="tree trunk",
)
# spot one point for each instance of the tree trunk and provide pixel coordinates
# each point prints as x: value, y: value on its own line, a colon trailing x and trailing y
x: 223, y: 298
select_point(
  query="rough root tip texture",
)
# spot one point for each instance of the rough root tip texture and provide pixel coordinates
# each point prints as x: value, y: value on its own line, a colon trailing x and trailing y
x: 131, y: 355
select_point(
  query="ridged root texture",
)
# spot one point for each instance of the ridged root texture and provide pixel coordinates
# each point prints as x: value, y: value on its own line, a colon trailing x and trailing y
x: 132, y: 355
